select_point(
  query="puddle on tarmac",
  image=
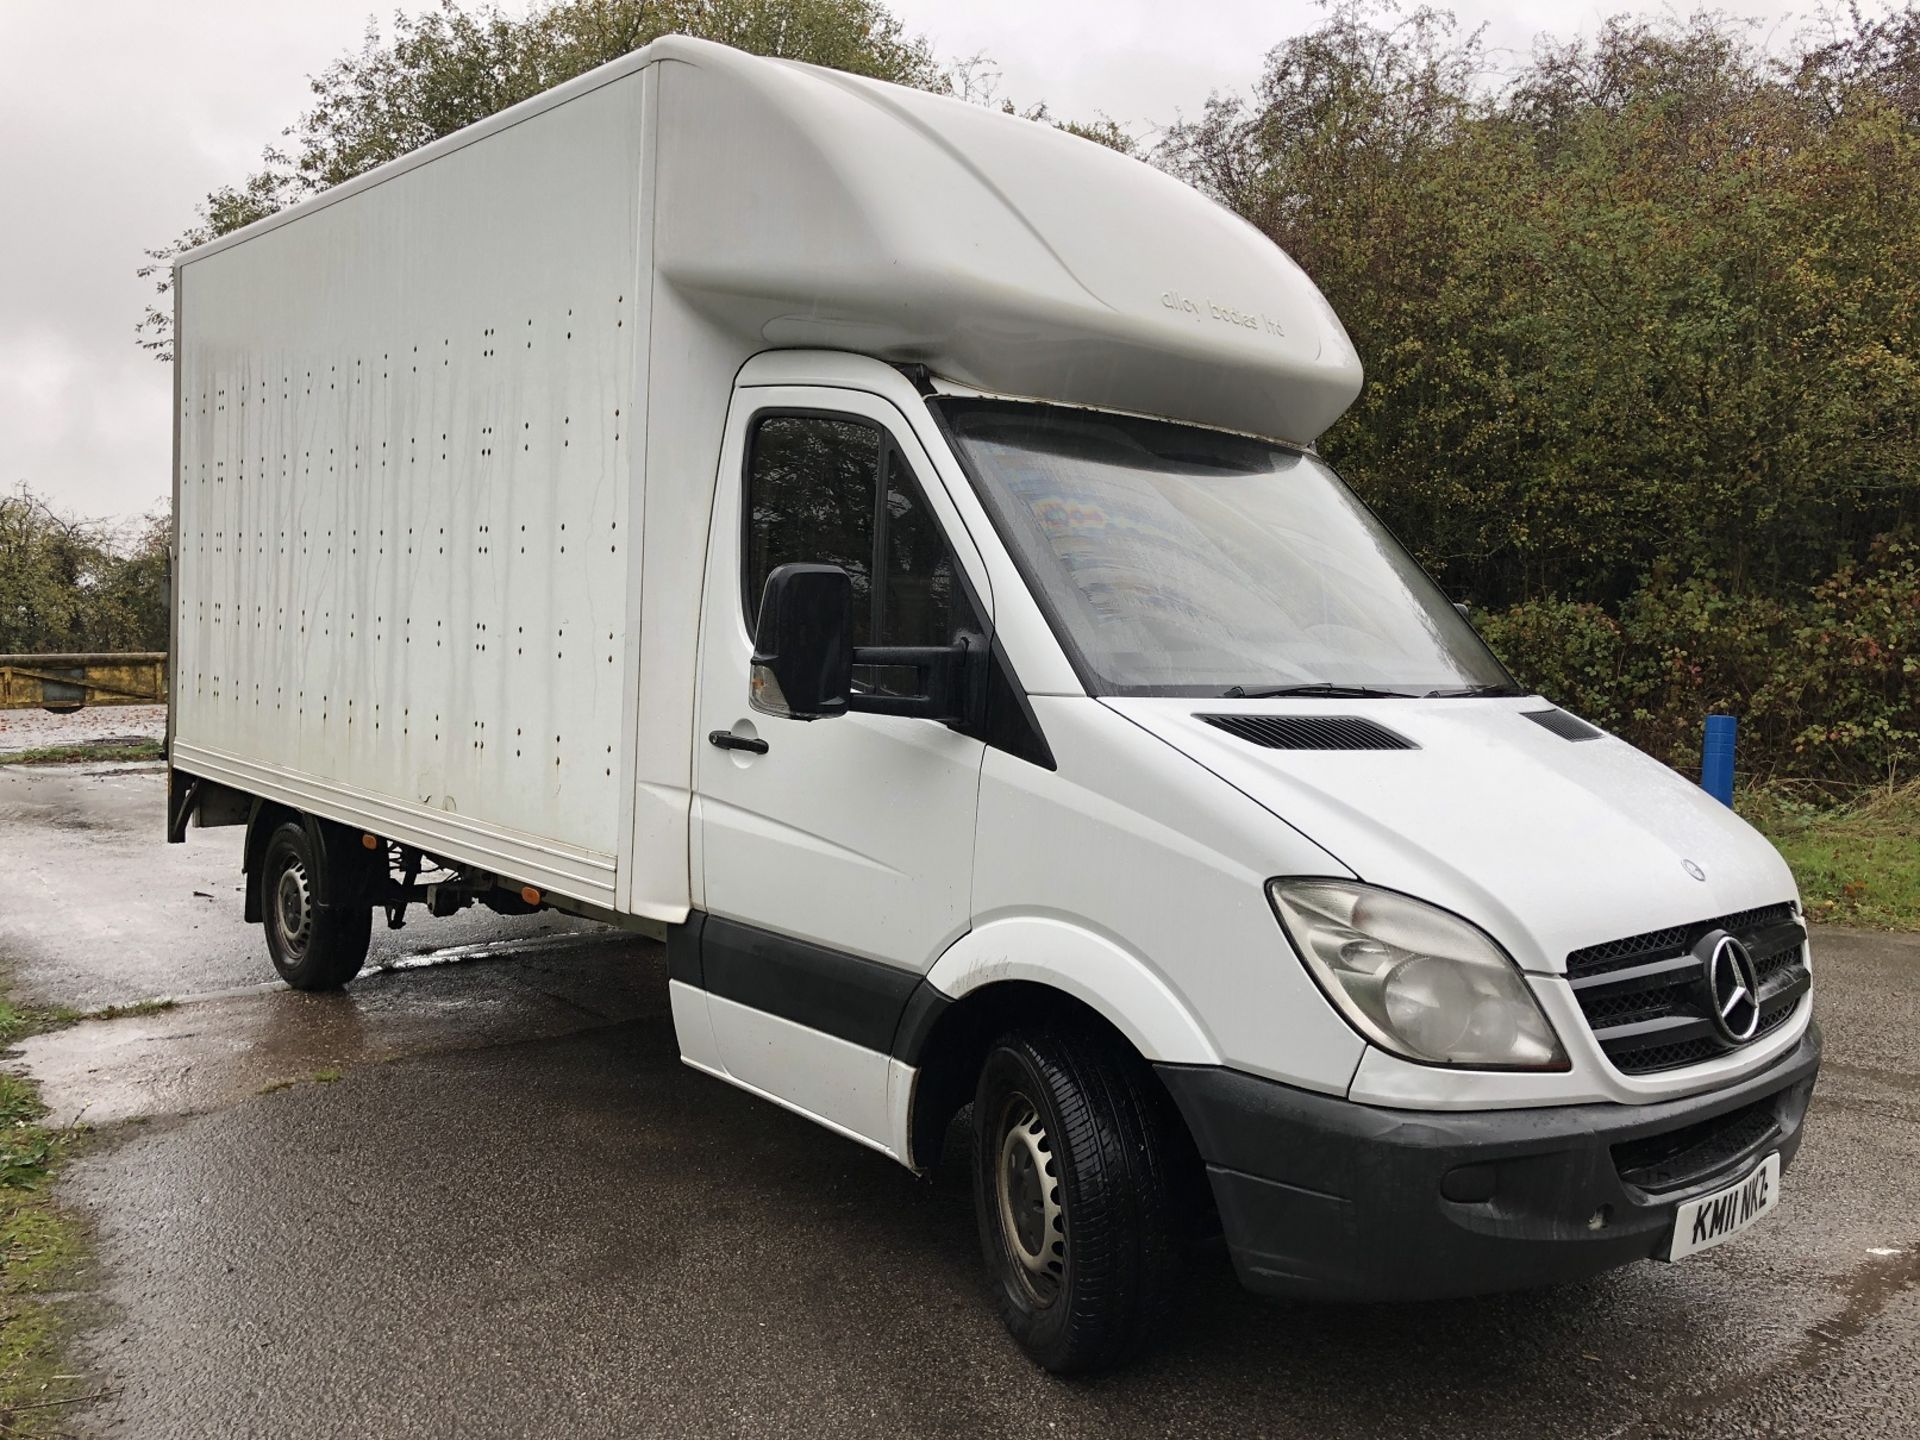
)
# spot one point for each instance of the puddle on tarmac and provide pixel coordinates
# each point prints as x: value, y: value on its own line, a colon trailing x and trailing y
x: 212, y: 1050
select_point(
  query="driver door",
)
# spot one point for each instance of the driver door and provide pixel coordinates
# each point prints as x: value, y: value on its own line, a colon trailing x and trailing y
x: 835, y: 856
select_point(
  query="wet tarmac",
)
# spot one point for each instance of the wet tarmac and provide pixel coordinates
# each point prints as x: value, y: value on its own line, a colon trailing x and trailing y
x: 97, y: 910
x: 514, y: 1213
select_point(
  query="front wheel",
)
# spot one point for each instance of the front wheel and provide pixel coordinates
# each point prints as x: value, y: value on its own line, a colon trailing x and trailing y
x: 1074, y: 1195
x: 314, y: 946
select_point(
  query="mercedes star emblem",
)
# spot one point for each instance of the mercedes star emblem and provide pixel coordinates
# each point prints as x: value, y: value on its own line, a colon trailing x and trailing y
x: 1733, y: 986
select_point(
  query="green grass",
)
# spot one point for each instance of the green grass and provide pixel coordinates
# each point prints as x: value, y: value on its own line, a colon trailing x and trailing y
x: 38, y: 1244
x: 77, y: 754
x: 139, y: 1007
x: 19, y: 1021
x: 1857, y: 857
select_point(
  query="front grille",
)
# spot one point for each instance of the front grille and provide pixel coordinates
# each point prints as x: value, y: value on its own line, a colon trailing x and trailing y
x: 1645, y: 998
x: 1695, y: 1152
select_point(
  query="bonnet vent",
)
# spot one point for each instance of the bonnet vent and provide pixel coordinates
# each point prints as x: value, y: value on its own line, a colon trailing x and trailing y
x: 1562, y: 724
x: 1310, y: 732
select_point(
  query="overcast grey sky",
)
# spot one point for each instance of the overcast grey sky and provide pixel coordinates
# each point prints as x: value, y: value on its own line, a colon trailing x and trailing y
x: 117, y: 116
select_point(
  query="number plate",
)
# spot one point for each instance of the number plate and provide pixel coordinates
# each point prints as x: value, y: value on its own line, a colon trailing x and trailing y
x: 1701, y: 1224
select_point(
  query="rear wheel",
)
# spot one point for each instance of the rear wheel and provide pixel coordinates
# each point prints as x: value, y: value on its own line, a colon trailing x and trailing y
x: 314, y: 946
x: 1074, y: 1194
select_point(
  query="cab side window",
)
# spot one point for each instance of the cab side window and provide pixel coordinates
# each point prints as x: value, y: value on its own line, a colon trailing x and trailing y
x: 810, y: 499
x: 921, y: 598
x: 834, y: 490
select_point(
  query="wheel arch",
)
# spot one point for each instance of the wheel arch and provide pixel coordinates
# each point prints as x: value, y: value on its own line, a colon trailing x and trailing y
x: 1026, y: 971
x: 348, y: 876
x: 263, y: 819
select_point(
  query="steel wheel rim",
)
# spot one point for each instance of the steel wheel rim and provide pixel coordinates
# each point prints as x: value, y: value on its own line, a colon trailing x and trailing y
x: 293, y: 908
x: 1027, y: 1197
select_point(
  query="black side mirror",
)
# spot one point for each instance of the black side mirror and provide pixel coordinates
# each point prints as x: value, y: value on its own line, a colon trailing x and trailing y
x: 803, y: 651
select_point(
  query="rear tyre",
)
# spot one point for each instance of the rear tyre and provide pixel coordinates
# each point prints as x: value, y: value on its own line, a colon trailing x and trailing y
x: 1075, y: 1196
x: 314, y: 946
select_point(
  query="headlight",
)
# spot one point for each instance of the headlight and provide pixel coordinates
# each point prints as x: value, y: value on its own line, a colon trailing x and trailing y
x: 1415, y: 980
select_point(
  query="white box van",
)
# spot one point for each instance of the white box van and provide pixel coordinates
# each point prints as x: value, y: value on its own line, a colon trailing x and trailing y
x: 878, y: 544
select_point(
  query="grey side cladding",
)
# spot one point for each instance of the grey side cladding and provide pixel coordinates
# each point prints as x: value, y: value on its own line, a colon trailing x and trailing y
x: 853, y: 999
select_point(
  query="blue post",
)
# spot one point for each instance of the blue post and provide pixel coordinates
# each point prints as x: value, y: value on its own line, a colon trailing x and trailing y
x: 1716, y: 758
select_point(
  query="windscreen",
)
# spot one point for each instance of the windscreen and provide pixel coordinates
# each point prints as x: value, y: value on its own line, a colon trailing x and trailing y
x: 1179, y: 561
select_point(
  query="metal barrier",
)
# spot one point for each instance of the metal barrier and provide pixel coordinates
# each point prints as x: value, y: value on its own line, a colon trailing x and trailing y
x: 67, y: 682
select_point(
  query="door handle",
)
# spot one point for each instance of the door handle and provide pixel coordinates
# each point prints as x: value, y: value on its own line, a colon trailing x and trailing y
x: 727, y: 740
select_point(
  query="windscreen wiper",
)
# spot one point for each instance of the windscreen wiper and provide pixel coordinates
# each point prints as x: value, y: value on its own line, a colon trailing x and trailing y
x: 1317, y: 687
x: 1459, y: 692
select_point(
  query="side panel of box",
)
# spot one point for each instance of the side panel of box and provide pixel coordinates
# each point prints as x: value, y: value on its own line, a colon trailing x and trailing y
x: 407, y: 423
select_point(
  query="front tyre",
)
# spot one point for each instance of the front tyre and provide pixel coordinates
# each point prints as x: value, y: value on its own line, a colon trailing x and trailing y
x: 1075, y: 1197
x: 314, y: 946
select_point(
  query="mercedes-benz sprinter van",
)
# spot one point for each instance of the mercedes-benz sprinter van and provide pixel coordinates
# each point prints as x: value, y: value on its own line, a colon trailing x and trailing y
x: 878, y: 545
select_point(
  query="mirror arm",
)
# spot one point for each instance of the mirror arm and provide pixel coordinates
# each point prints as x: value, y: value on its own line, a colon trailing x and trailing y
x: 954, y: 688
x: 919, y: 656
x: 918, y: 707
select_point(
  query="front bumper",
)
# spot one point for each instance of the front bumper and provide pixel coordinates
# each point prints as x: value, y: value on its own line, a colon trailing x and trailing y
x: 1321, y: 1197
